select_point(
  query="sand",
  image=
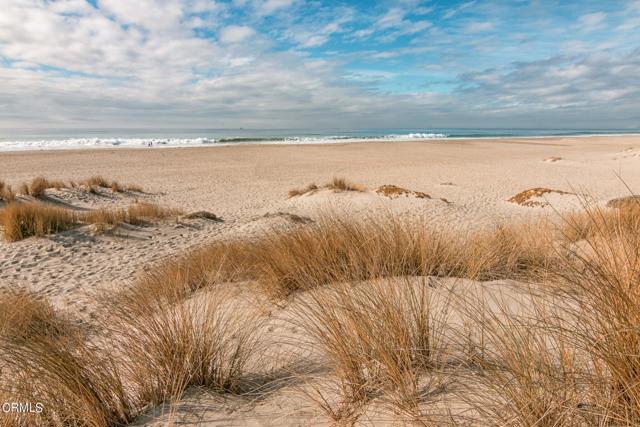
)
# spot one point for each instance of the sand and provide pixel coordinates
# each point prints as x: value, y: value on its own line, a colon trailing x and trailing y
x: 453, y: 183
x: 247, y: 187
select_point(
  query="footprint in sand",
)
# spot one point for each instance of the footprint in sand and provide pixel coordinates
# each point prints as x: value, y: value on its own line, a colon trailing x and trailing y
x: 629, y: 153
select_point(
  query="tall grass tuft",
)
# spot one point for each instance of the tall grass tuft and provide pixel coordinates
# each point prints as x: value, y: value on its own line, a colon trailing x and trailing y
x: 6, y: 192
x: 171, y: 344
x: 602, y: 280
x: 77, y: 383
x: 22, y: 220
x: 381, y: 339
x: 24, y: 314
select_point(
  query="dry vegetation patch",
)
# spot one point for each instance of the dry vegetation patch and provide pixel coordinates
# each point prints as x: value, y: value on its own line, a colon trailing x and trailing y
x: 571, y: 358
x: 393, y: 191
x: 37, y: 187
x: 22, y: 220
x: 203, y: 215
x: 337, y: 184
x: 524, y: 197
x: 24, y: 314
x: 6, y: 193
x: 336, y: 249
x: 382, y: 339
x: 149, y: 350
x: 628, y: 202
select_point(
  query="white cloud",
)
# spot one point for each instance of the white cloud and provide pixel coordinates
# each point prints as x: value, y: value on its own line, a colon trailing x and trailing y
x: 476, y: 27
x: 454, y: 11
x: 267, y: 7
x: 592, y: 21
x: 391, y: 19
x: 235, y: 34
x: 142, y: 64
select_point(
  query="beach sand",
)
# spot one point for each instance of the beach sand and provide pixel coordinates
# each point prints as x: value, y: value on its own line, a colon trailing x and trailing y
x: 242, y: 184
x: 469, y: 184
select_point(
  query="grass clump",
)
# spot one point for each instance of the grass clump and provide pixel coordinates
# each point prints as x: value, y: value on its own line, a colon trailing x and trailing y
x: 172, y: 344
x: 336, y: 184
x: 342, y: 184
x: 6, y: 193
x: 300, y: 191
x: 381, y: 338
x: 149, y: 349
x: 22, y: 220
x: 38, y: 186
x: 335, y: 249
x: 46, y: 360
x: 98, y: 181
x: 136, y: 214
x: 23, y: 314
x: 77, y: 383
x: 602, y: 277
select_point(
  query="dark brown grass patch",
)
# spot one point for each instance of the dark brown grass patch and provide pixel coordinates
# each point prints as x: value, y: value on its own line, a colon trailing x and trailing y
x: 524, y: 197
x: 203, y: 215
x: 393, y: 191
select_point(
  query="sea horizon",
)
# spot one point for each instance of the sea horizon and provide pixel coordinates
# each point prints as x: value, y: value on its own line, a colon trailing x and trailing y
x: 25, y: 139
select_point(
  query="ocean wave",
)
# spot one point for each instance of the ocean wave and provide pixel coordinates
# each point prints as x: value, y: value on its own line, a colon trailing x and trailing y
x: 80, y: 143
x: 418, y: 136
x: 75, y: 143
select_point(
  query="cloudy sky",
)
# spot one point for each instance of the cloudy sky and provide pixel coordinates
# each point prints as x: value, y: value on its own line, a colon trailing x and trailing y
x: 319, y: 64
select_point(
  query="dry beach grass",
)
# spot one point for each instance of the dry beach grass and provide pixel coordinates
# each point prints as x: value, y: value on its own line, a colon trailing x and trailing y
x: 520, y: 316
x: 390, y: 342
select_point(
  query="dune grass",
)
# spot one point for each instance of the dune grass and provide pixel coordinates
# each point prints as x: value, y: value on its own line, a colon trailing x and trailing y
x: 336, y: 184
x: 173, y: 344
x: 570, y: 359
x: 138, y: 213
x: 604, y: 279
x: 380, y: 339
x: 151, y: 348
x: 6, y: 193
x: 37, y: 186
x: 22, y: 220
x: 337, y: 249
x: 24, y: 314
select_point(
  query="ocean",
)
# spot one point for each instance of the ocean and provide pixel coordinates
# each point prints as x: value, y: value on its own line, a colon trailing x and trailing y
x: 56, y: 139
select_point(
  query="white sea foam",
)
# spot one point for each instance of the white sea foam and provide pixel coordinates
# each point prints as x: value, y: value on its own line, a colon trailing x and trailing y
x: 82, y: 143
x: 76, y: 143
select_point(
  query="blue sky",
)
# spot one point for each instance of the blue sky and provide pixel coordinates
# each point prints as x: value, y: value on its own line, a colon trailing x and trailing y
x: 320, y: 64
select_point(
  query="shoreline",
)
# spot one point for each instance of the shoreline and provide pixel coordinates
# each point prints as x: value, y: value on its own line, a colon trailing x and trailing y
x: 319, y: 142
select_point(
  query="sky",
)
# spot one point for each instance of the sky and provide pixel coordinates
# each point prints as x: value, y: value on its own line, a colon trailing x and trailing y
x: 316, y: 64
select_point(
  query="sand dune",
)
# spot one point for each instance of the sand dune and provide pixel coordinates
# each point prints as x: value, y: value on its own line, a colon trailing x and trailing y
x: 242, y: 193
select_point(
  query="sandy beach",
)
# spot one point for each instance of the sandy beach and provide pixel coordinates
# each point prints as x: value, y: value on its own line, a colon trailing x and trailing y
x: 242, y: 184
x: 448, y: 184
